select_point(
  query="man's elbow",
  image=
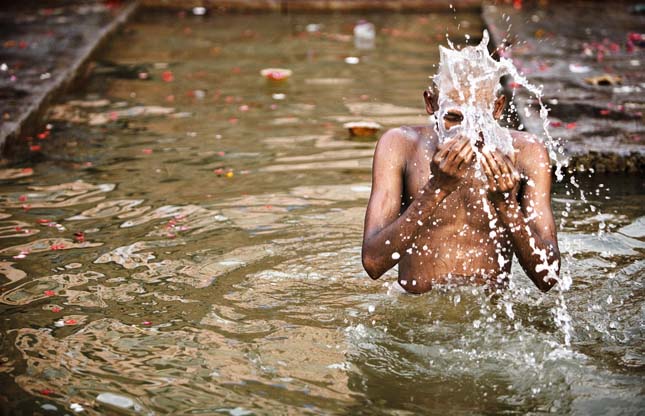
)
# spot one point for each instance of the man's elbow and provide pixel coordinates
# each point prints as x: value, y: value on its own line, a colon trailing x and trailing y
x: 371, y: 267
x: 546, y: 284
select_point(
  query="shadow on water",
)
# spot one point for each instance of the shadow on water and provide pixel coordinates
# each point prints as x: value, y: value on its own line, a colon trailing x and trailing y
x: 193, y: 244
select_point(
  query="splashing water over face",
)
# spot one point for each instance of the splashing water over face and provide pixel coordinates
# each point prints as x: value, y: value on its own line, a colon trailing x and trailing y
x: 468, y: 81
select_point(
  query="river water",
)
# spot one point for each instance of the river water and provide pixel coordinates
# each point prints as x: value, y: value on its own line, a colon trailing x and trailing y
x: 192, y: 245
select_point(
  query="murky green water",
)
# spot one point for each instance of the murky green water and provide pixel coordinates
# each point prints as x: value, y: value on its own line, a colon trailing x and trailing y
x: 219, y: 266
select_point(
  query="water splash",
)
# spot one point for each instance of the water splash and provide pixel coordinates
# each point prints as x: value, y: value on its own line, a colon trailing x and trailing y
x: 468, y: 81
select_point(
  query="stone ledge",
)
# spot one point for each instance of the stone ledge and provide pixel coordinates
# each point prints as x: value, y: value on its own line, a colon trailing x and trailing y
x: 31, y: 97
x: 602, y: 162
x: 313, y: 6
x: 600, y: 126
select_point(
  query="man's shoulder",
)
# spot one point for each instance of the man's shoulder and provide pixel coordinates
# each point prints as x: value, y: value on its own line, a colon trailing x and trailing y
x: 531, y: 150
x: 407, y: 138
x: 526, y: 142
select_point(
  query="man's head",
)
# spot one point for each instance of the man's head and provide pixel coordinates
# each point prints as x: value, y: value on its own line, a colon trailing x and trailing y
x: 454, y: 116
x: 464, y: 96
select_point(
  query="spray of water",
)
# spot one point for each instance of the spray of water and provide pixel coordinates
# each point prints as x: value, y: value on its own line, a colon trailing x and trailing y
x: 468, y: 81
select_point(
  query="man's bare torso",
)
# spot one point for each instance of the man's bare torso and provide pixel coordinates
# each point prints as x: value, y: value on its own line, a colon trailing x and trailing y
x: 463, y: 241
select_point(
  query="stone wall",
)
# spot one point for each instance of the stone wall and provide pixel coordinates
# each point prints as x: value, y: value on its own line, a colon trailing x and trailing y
x: 317, y: 5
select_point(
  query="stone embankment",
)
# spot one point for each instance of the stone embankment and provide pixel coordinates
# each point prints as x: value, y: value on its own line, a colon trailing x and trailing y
x: 587, y: 56
x: 44, y: 49
x: 589, y: 59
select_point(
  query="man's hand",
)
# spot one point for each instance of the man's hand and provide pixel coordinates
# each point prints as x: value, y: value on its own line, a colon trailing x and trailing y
x: 503, y: 178
x: 450, y: 164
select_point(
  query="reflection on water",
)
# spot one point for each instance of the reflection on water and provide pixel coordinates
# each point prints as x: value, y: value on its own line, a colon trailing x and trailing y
x: 193, y: 246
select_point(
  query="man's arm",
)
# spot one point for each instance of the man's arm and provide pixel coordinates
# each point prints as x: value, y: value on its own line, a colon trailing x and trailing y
x: 531, y: 223
x: 388, y: 233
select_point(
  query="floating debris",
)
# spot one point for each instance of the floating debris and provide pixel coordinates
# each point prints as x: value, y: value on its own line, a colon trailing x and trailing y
x: 636, y: 39
x: 111, y: 399
x: 605, y: 79
x: 364, y: 35
x: 167, y: 76
x: 276, y: 74
x: 329, y: 81
x: 352, y: 60
x: 199, y: 11
x: 626, y: 89
x: 363, y: 128
x: 313, y: 27
x: 89, y: 103
x: 578, y: 68
x: 23, y: 254
x: 15, y: 173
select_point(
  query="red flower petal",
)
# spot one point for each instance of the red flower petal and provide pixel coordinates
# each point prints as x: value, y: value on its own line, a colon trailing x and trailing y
x: 167, y: 76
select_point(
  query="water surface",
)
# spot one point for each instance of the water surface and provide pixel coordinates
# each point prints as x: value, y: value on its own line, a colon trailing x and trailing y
x: 218, y: 269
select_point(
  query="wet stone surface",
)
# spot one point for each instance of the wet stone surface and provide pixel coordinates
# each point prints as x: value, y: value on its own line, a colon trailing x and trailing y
x: 589, y: 59
x: 40, y: 43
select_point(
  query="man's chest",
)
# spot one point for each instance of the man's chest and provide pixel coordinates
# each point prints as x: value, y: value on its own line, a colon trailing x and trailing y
x: 468, y: 205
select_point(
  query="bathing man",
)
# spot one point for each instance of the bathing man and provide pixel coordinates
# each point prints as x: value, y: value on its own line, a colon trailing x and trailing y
x: 446, y: 205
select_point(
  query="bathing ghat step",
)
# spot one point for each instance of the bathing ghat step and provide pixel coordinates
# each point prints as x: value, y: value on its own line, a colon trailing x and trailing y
x: 43, y: 51
x: 592, y: 77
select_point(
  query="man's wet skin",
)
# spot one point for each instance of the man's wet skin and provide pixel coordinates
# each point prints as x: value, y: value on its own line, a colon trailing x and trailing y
x: 458, y: 227
x: 456, y: 243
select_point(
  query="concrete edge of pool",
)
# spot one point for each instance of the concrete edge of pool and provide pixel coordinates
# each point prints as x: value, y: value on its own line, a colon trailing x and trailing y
x: 29, y: 115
